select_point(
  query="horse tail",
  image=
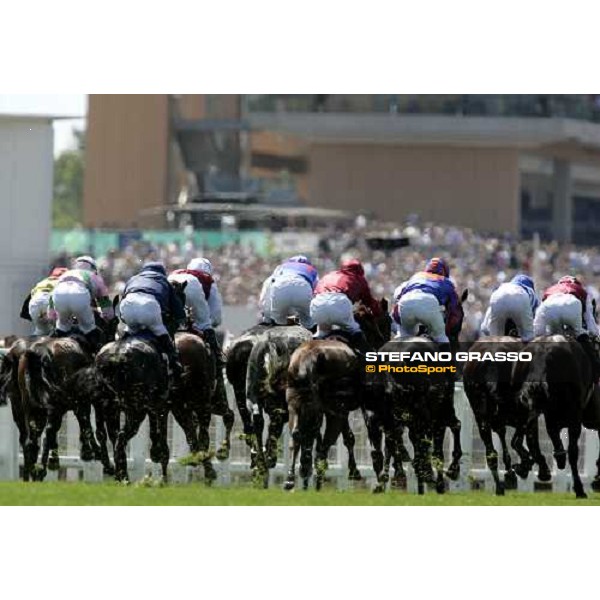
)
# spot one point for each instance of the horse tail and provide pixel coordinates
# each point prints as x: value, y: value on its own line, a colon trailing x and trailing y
x: 257, y: 371
x: 7, y: 369
x: 38, y: 377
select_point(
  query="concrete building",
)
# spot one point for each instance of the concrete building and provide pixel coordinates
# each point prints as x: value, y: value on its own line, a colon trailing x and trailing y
x: 500, y: 165
x: 26, y: 171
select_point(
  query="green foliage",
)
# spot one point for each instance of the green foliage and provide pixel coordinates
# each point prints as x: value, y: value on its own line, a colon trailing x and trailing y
x: 67, y: 206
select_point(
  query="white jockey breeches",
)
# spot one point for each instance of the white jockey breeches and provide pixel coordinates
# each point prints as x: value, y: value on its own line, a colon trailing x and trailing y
x: 72, y: 299
x: 286, y: 296
x: 195, y: 300
x: 420, y: 308
x: 556, y: 312
x: 141, y: 311
x: 509, y: 301
x: 332, y: 308
x: 38, y: 311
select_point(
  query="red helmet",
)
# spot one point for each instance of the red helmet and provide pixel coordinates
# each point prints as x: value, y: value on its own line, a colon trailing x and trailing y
x: 353, y: 265
x: 569, y: 279
x: 58, y: 271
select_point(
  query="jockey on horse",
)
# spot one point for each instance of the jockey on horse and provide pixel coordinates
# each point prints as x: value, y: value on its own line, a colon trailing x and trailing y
x: 203, y: 299
x: 148, y: 298
x: 333, y: 299
x: 422, y: 300
x: 515, y: 300
x: 35, y: 307
x: 289, y: 289
x: 567, y: 303
x: 75, y: 294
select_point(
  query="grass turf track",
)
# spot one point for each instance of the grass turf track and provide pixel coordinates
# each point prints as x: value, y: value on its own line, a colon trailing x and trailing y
x: 65, y: 493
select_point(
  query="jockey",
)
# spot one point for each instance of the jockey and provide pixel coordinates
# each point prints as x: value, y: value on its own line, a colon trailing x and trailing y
x: 514, y: 300
x: 203, y: 298
x: 35, y: 307
x: 289, y: 289
x: 422, y: 300
x: 77, y: 291
x: 333, y: 298
x: 148, y: 299
x: 568, y: 303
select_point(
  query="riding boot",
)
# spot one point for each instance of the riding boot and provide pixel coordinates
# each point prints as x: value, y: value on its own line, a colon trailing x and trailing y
x: 210, y: 337
x: 94, y: 339
x: 166, y: 346
x: 359, y: 344
x: 586, y: 344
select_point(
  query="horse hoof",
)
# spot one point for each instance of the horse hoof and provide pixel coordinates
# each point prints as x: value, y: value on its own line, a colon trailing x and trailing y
x: 596, y: 484
x: 53, y: 463
x: 510, y: 480
x: 399, y: 482
x: 108, y: 470
x: 288, y: 486
x: 561, y: 460
x: 354, y: 475
x: 209, y: 473
x: 521, y: 471
x: 271, y: 462
x: 544, y: 474
x: 453, y: 472
x: 500, y: 490
x: 440, y: 487
x: 379, y: 488
x: 581, y: 496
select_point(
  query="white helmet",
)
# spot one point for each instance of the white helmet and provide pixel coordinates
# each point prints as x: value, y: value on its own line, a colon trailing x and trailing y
x: 200, y: 264
x: 85, y: 263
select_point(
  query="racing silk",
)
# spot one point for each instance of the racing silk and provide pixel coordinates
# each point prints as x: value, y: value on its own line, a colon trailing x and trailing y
x: 439, y: 286
x: 157, y: 285
x: 526, y: 284
x: 95, y: 286
x: 304, y: 270
x: 45, y: 285
x: 205, y: 279
x: 568, y: 287
x: 351, y: 282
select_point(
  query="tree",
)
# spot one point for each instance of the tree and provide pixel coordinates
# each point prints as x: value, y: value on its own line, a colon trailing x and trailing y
x: 67, y: 206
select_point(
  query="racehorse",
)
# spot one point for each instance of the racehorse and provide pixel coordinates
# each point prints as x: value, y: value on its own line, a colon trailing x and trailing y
x: 266, y: 383
x: 424, y: 404
x: 323, y: 384
x: 236, y: 368
x: 136, y: 376
x: 557, y: 383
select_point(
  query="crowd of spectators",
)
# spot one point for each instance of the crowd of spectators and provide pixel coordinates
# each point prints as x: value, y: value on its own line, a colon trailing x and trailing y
x: 478, y: 262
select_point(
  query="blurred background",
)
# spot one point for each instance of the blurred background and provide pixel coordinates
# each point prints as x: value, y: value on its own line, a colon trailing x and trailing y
x: 495, y: 183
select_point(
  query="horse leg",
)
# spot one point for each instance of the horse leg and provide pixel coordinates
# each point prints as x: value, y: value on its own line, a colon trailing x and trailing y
x: 239, y: 392
x: 221, y: 408
x: 375, y: 434
x: 560, y: 454
x: 521, y: 469
x: 421, y: 461
x: 204, y: 445
x: 350, y: 441
x: 439, y: 432
x: 333, y: 429
x: 307, y: 433
x: 401, y: 447
x: 133, y: 420
x: 277, y: 420
x: 55, y: 418
x: 89, y: 446
x: 102, y: 437
x: 510, y: 477
x: 261, y: 472
x: 159, y: 448
x: 533, y: 444
x: 290, y: 481
x: 485, y: 433
x: 454, y: 469
x: 573, y: 452
x: 185, y: 419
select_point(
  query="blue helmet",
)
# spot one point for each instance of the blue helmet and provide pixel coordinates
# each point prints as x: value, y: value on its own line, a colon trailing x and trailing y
x: 523, y: 281
x: 156, y: 267
x: 438, y: 266
x: 300, y: 258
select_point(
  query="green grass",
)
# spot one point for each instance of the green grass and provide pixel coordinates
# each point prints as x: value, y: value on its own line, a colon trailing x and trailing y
x: 65, y: 493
